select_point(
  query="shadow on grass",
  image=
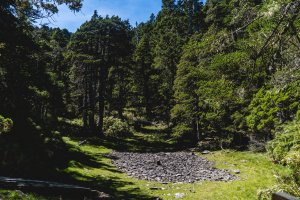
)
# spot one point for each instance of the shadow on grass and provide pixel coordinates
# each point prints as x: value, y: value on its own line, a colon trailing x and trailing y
x: 150, y: 142
x: 165, y: 132
x: 73, y: 157
x: 55, y: 167
x: 109, y: 185
x: 147, y: 138
x: 144, y: 140
x: 112, y: 186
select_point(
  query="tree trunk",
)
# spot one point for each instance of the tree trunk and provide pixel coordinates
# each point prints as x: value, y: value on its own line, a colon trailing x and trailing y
x: 91, y: 112
x: 101, y: 99
x: 84, y: 112
x: 197, y: 130
x: 147, y: 98
x: 122, y: 95
x: 101, y: 112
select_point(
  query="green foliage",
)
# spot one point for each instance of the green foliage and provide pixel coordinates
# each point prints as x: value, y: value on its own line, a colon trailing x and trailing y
x: 39, y: 9
x: 115, y: 127
x: 292, y: 160
x: 211, y: 85
x: 213, y: 73
x: 19, y: 195
x: 6, y: 125
x: 270, y: 107
x: 233, y: 80
x: 100, y: 54
x: 217, y: 12
x: 286, y: 142
x: 181, y: 131
x: 30, y: 88
x: 158, y: 50
x: 235, y: 65
x: 256, y: 173
x: 285, y: 149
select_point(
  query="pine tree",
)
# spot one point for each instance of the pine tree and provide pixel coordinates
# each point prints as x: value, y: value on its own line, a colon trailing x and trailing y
x: 143, y: 70
x: 99, y: 48
x: 168, y: 4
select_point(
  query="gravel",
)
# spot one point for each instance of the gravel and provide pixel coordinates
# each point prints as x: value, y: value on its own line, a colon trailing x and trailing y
x: 169, y: 167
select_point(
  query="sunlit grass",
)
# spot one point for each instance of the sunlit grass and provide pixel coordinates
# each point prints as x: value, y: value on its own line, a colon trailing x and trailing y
x: 90, y: 166
x: 257, y: 173
x: 18, y: 195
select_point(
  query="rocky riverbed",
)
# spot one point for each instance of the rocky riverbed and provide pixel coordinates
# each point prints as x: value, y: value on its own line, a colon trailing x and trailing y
x: 169, y: 167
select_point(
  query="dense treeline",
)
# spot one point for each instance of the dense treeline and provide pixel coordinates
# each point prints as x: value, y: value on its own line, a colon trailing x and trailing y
x: 238, y: 56
x: 224, y: 70
x: 33, y: 87
x: 223, y: 74
x: 100, y: 52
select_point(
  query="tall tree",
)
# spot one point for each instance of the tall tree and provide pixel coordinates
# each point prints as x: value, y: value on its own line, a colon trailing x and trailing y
x: 168, y: 4
x: 143, y: 60
x: 105, y: 44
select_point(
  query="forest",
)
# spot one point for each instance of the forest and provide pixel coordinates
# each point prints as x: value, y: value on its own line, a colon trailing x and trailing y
x: 220, y: 79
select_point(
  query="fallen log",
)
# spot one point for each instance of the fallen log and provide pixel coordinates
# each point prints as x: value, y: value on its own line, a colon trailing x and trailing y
x: 51, y: 188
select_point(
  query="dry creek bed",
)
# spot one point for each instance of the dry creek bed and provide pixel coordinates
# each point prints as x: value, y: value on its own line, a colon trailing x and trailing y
x: 169, y: 167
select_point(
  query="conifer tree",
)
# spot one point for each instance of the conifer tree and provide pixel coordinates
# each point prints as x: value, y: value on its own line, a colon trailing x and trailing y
x: 100, y: 47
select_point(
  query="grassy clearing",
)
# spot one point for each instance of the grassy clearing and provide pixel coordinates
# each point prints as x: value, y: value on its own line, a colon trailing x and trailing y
x: 257, y: 173
x: 89, y: 166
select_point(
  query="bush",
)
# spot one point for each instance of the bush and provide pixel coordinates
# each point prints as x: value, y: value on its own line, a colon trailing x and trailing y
x: 285, y: 149
x: 6, y: 124
x: 114, y: 127
x: 271, y: 107
x: 292, y: 159
x: 181, y: 131
x: 286, y: 140
x: 257, y: 146
x: 72, y: 122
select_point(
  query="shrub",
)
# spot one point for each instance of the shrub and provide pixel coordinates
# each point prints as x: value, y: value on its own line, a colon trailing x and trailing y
x: 270, y: 108
x: 6, y: 124
x: 292, y: 159
x: 285, y: 149
x: 115, y: 127
x: 72, y: 122
x: 181, y: 131
x: 214, y: 143
x: 257, y: 146
x: 286, y: 140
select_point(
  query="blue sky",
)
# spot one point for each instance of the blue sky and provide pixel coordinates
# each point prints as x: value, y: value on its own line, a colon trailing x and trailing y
x: 134, y: 10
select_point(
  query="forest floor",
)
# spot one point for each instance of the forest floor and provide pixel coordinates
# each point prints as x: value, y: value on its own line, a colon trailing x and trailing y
x: 95, y: 169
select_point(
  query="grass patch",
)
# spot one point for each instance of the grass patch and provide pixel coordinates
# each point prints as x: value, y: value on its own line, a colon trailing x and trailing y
x: 88, y: 166
x: 257, y: 173
x: 18, y: 195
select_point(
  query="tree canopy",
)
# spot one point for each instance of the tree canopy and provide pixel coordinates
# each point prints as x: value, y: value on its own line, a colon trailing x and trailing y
x: 224, y: 73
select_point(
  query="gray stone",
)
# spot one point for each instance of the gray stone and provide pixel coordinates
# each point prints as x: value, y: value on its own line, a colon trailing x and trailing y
x: 179, y: 195
x: 205, y: 152
x: 176, y: 167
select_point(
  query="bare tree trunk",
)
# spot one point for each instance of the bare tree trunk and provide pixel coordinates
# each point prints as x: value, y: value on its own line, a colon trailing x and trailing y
x: 84, y: 112
x: 147, y: 98
x: 101, y: 111
x: 122, y: 94
x: 197, y: 130
x: 101, y: 99
x: 85, y: 100
x: 91, y: 113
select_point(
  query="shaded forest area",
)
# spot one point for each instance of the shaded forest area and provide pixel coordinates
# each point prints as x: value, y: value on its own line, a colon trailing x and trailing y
x: 221, y: 75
